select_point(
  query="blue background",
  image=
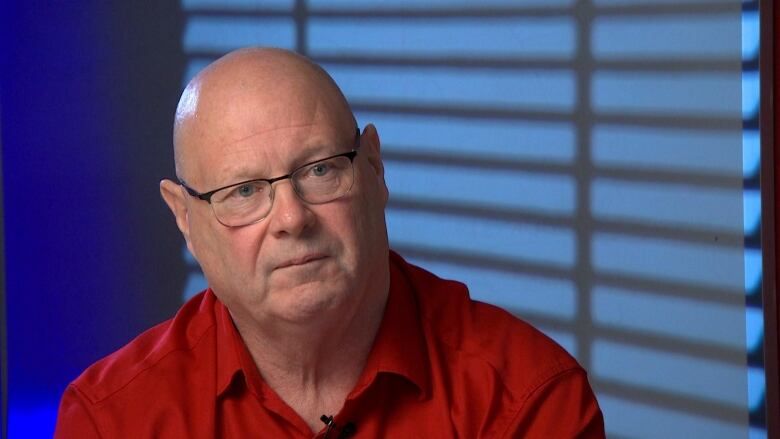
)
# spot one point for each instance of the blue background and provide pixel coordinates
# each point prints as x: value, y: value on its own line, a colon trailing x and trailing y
x: 591, y: 174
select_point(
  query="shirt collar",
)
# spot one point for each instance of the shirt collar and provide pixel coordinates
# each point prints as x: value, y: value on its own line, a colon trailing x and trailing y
x: 398, y: 349
x: 228, y: 347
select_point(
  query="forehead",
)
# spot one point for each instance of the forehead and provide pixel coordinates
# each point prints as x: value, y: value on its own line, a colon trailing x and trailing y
x: 254, y: 119
x: 261, y: 134
x: 268, y: 154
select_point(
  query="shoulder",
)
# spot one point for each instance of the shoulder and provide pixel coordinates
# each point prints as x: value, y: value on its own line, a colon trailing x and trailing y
x: 483, y: 339
x: 160, y: 350
x: 517, y: 381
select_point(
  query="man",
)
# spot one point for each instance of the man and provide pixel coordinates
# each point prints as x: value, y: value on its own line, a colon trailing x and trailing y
x: 311, y: 326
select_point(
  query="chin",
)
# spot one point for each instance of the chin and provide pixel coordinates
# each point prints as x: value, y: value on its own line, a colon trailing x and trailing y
x: 308, y: 302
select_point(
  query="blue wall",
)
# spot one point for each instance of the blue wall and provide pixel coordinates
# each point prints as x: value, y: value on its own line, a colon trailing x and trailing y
x: 590, y: 155
x: 81, y: 107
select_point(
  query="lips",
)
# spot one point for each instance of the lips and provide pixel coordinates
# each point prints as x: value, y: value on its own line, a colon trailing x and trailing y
x: 301, y: 260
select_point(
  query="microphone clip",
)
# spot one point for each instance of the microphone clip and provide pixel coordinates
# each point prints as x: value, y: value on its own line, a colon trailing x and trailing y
x: 345, y: 432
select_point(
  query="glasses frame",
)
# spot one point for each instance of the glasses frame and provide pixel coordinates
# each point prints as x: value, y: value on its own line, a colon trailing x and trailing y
x: 206, y: 196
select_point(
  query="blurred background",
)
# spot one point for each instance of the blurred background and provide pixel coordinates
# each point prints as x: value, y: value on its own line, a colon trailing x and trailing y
x: 592, y: 166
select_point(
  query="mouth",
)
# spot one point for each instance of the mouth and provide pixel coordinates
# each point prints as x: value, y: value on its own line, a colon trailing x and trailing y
x: 303, y: 260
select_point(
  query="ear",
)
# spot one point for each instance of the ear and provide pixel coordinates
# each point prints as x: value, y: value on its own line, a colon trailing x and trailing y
x: 370, y: 146
x: 174, y: 197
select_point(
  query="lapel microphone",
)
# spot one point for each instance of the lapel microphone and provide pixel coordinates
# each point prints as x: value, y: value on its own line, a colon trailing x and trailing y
x: 345, y: 432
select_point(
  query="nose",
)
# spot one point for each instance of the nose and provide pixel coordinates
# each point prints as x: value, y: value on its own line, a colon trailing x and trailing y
x: 289, y: 214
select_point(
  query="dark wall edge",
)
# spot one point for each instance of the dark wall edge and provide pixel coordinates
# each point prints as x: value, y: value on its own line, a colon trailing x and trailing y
x: 770, y: 212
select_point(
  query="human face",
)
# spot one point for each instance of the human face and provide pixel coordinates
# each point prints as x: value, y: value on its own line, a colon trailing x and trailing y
x: 302, y: 262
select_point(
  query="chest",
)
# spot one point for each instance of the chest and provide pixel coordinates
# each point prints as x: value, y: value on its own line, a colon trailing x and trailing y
x: 390, y: 407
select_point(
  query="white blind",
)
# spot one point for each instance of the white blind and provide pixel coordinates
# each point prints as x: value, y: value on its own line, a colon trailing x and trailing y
x: 591, y: 166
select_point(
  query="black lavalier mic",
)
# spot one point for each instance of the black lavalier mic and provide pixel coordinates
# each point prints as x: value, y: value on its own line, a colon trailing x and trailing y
x: 345, y: 432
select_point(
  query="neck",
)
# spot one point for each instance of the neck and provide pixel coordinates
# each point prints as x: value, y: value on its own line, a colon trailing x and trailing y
x: 315, y: 350
x: 314, y: 365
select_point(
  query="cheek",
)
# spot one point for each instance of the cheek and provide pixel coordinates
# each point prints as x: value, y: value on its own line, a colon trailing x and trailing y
x: 228, y: 257
x: 239, y: 251
x: 199, y: 235
x: 367, y: 230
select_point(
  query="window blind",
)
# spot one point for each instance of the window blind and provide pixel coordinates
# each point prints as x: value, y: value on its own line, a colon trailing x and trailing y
x: 591, y: 166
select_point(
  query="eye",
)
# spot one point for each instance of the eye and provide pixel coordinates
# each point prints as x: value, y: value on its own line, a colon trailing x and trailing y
x: 247, y: 190
x: 320, y: 169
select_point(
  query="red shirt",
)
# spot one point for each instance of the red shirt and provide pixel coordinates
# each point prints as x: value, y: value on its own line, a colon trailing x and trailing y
x: 442, y: 366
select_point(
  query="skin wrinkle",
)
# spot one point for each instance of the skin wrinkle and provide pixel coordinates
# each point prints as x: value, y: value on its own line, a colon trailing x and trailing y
x: 246, y: 174
x: 308, y: 327
x: 240, y: 171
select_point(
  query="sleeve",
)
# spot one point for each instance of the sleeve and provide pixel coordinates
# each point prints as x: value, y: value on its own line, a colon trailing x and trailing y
x: 562, y: 407
x: 74, y: 419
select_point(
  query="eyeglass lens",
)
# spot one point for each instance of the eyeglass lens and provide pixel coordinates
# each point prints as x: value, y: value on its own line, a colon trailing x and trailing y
x: 315, y: 183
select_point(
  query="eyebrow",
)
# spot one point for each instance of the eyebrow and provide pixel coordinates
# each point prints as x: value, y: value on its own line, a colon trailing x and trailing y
x: 243, y: 175
x: 306, y: 155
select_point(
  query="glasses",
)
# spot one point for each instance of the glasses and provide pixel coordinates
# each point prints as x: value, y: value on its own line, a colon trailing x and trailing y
x: 317, y: 182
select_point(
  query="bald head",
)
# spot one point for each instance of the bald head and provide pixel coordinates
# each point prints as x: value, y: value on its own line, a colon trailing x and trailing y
x: 251, y: 91
x: 268, y: 114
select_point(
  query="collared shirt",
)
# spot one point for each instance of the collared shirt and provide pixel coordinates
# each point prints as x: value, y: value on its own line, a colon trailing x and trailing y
x: 442, y: 366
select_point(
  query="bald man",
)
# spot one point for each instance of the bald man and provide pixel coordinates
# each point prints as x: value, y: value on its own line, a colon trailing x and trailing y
x: 311, y: 326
